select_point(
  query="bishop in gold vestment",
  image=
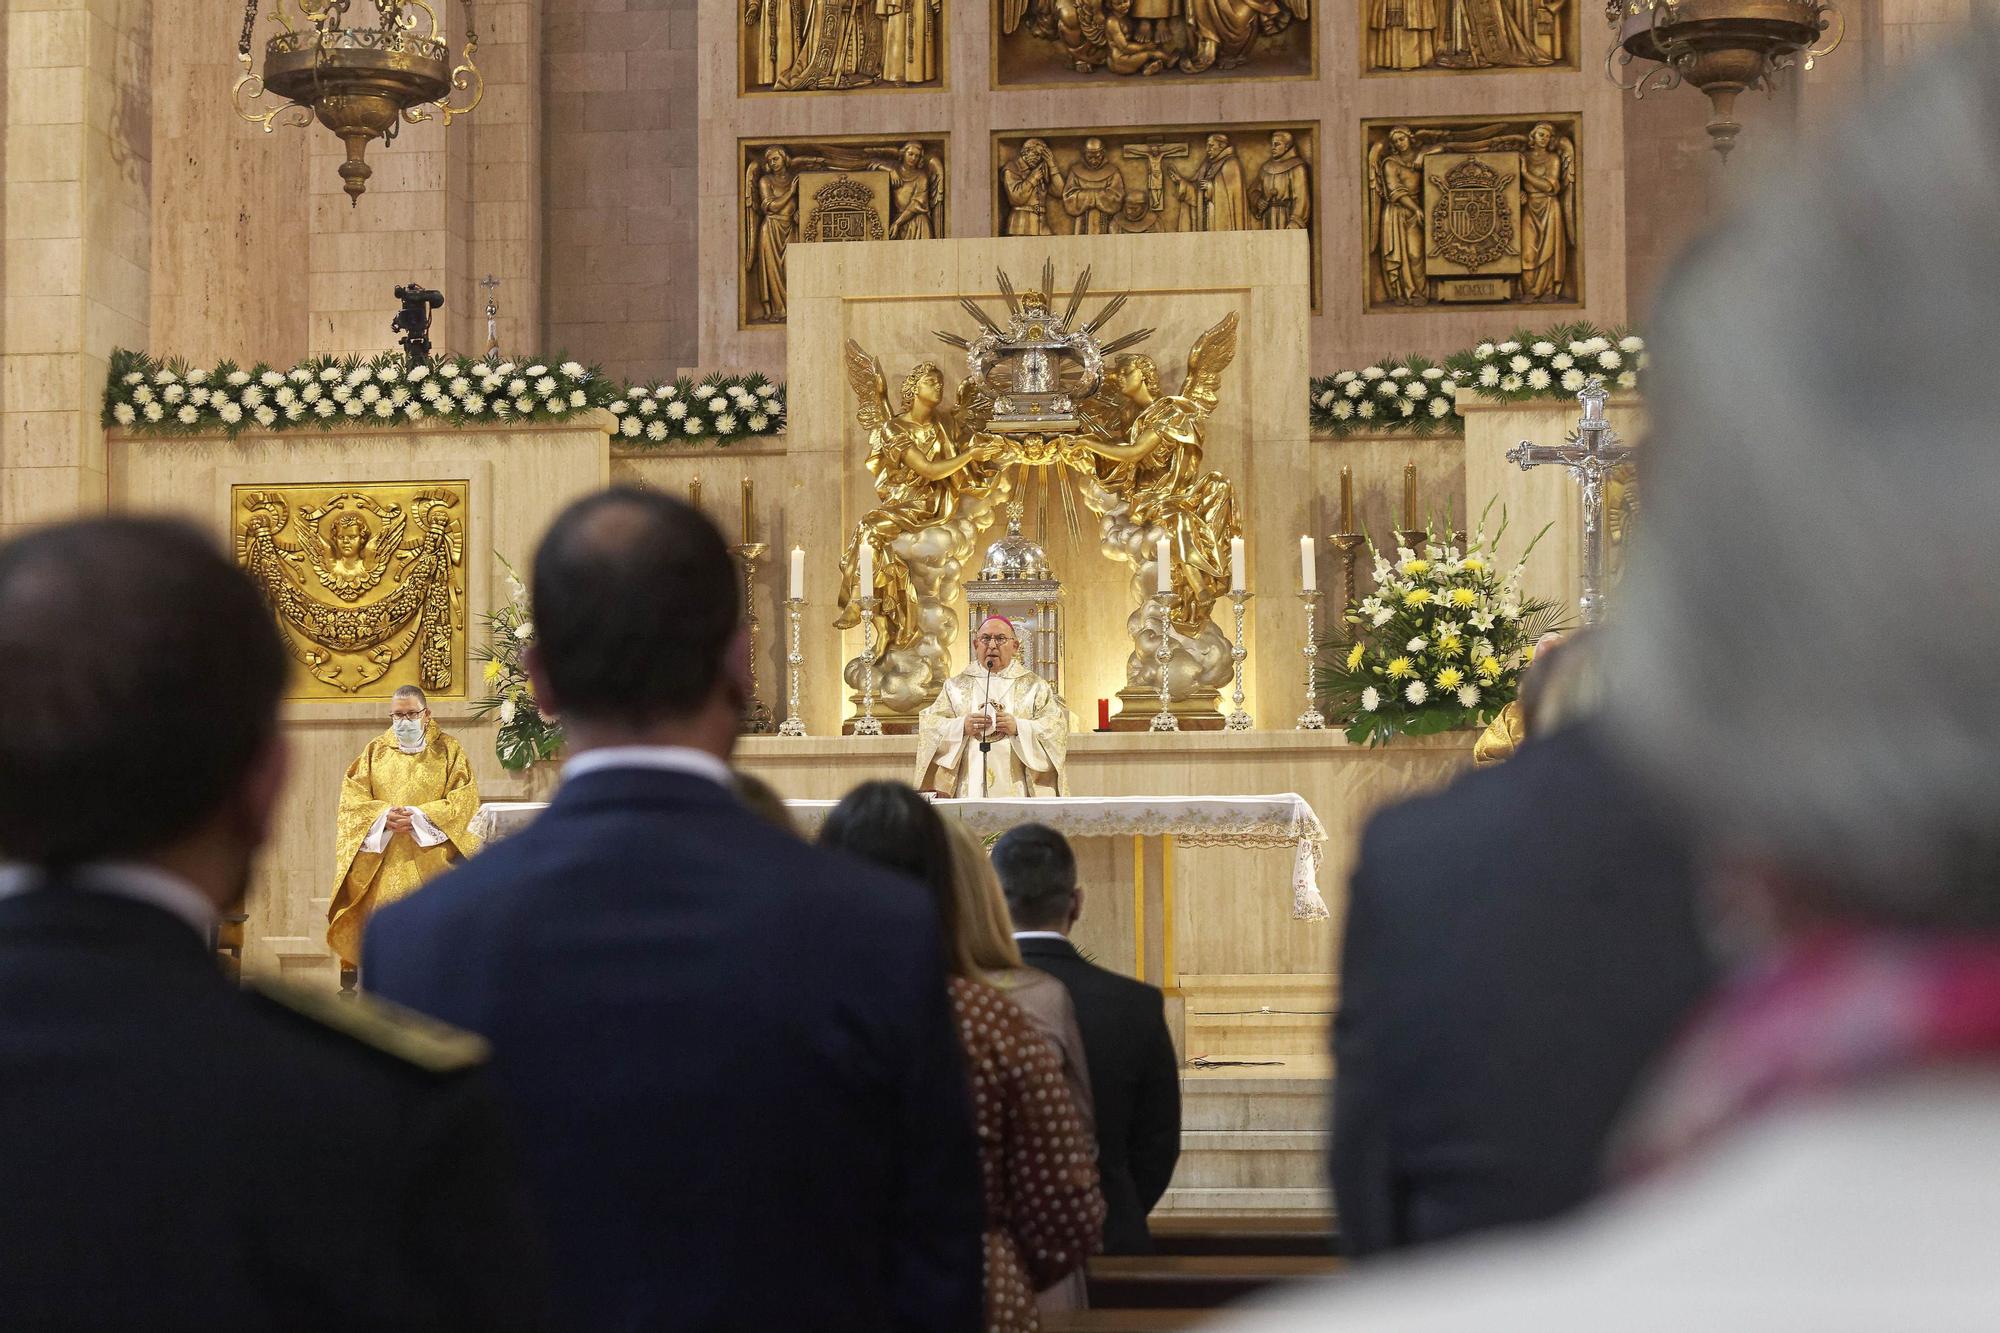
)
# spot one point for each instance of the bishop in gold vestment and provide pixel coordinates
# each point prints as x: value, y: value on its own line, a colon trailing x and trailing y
x: 1023, y: 721
x: 406, y: 811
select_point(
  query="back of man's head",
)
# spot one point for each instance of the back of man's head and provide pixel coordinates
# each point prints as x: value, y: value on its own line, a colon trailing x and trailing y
x: 140, y: 676
x: 636, y: 605
x: 1037, y: 872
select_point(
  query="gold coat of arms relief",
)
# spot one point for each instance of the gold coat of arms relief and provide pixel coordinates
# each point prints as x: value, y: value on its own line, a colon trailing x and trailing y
x: 367, y: 583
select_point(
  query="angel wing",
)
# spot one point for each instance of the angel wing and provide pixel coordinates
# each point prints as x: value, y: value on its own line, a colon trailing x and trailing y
x: 1207, y: 359
x: 864, y: 376
x: 972, y: 410
x: 935, y: 170
x: 1566, y: 151
x: 1376, y: 152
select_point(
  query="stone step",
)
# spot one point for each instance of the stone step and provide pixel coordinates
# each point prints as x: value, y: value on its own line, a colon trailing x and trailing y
x: 1256, y: 1036
x: 1288, y: 1199
x: 1254, y: 1102
x: 1251, y: 1159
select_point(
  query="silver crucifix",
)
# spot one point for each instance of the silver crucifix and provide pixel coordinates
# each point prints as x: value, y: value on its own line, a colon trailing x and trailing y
x: 491, y: 283
x: 1591, y: 452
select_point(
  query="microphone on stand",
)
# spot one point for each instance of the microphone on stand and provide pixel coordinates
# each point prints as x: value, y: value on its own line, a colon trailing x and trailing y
x: 986, y: 737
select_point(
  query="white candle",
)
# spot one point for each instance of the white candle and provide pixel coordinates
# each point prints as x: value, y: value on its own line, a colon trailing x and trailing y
x: 1237, y: 580
x: 1163, y: 557
x: 866, y: 581
x: 799, y: 573
x: 1308, y: 567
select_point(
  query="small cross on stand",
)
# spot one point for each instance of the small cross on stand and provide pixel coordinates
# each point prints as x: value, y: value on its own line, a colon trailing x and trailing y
x: 491, y: 284
x: 1591, y: 453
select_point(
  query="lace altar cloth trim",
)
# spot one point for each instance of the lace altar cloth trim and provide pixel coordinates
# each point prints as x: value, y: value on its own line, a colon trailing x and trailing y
x: 1283, y: 820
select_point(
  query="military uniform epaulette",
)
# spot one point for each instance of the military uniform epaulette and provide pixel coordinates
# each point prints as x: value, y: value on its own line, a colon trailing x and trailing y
x: 411, y: 1037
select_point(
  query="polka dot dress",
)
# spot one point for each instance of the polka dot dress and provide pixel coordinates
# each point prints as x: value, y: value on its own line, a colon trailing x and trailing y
x: 1044, y: 1214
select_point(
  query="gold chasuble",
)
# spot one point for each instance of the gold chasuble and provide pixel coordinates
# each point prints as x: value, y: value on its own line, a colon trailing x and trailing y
x: 374, y: 866
x: 1029, y: 763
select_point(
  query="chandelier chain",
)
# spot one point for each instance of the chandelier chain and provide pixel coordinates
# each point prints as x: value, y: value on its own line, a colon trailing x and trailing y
x: 249, y: 29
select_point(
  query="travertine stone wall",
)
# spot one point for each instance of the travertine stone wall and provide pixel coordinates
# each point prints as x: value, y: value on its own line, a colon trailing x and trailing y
x: 75, y: 230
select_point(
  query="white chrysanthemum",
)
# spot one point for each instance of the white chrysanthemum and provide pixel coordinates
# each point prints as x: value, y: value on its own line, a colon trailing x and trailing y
x: 1417, y: 644
x: 1543, y: 348
x: 357, y: 375
x: 1367, y: 410
x: 1572, y: 380
x: 677, y: 410
x: 197, y: 376
x: 342, y: 394
x: 1371, y: 699
x: 324, y: 407
x: 668, y: 391
x: 759, y: 423
x: 1433, y: 373
x: 400, y: 394
x: 1489, y: 376
x: 164, y: 376
x: 142, y: 395
x: 656, y: 430
x: 502, y: 409
x: 573, y: 369
x: 1325, y: 400
x: 767, y: 391
x: 294, y: 411
x: 187, y: 416
x: 123, y: 414
x: 474, y: 404
x: 173, y: 393
x: 229, y: 412
x: 1416, y: 389
x: 524, y: 405
x: 328, y: 374
x: 384, y: 408
x: 1538, y: 379
x: 537, y: 370
x: 1609, y: 359
x: 370, y: 394
x: 577, y: 398
x: 648, y: 407
x: 1373, y: 373
x: 504, y: 368
x: 1355, y: 388
x: 704, y: 391
x: 1416, y: 691
x: 1468, y: 695
x: 134, y: 376
x: 545, y: 385
x: 353, y: 407
x: 1441, y: 407
x: 267, y: 415
x: 1510, y: 384
x: 1343, y: 410
x: 692, y: 426
x: 726, y: 424
x: 153, y: 411
x: 1400, y: 373
x: 387, y: 373
x: 1387, y: 389
x: 618, y: 407
x: 1343, y: 377
x: 507, y: 713
x: 312, y: 393
x: 1632, y: 345
x: 253, y: 396
x: 629, y: 427
x: 1627, y: 380
x: 516, y: 387
x: 413, y: 410
x: 284, y: 397
x: 420, y: 371
x: 460, y: 386
x: 1381, y: 618
x: 1484, y: 351
x: 430, y: 391
x: 1509, y: 347
x: 1518, y: 364
x: 1405, y: 407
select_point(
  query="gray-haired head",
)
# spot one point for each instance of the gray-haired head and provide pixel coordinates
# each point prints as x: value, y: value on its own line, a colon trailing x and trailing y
x: 1806, y: 645
x: 412, y: 694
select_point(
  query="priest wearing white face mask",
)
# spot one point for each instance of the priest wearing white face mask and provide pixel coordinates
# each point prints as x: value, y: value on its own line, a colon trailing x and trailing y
x: 996, y: 728
x: 406, y: 808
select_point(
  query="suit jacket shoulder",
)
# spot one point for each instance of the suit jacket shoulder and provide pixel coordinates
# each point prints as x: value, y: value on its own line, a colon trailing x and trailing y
x: 399, y: 1038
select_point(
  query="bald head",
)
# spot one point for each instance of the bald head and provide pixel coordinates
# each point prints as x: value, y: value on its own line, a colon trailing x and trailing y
x: 996, y: 645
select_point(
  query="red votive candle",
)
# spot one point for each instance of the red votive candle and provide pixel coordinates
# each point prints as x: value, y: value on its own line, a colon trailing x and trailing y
x: 1104, y: 715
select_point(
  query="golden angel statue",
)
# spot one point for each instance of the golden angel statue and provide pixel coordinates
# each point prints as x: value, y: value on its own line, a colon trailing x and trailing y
x: 1155, y: 456
x: 936, y: 484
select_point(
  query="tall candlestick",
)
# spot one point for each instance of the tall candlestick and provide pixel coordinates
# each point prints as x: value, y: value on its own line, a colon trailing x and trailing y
x: 865, y: 575
x: 1410, y: 495
x: 1163, y: 557
x: 798, y: 586
x: 794, y: 725
x: 749, y: 509
x: 1238, y: 720
x: 1346, y: 498
x: 1238, y: 579
x: 1308, y: 565
x: 1164, y: 720
x: 694, y: 492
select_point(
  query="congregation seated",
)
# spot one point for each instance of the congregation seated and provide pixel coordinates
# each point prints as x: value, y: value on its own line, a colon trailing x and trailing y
x: 1134, y: 1073
x: 728, y: 1055
x: 160, y: 1121
x: 1044, y: 1212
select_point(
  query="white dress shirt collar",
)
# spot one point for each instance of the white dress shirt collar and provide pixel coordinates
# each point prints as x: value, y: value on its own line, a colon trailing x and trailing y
x: 660, y: 758
x: 125, y: 879
x: 1041, y: 935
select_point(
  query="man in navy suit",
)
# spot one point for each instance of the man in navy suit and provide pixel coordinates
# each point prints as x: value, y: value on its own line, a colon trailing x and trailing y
x: 728, y: 1055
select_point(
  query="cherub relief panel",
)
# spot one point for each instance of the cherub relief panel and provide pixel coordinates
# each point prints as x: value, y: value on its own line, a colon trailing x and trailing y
x: 1451, y: 36
x: 867, y: 189
x: 1138, y: 179
x: 1464, y: 212
x: 1055, y: 42
x: 818, y: 46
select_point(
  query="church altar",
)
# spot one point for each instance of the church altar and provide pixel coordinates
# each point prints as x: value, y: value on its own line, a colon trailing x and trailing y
x: 1157, y: 826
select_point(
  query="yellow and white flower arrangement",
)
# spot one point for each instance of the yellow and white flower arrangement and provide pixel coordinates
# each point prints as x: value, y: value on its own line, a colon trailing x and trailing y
x: 1439, y: 643
x: 525, y: 736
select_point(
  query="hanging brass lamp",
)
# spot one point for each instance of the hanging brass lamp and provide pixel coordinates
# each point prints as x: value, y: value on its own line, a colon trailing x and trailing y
x: 361, y: 83
x: 1721, y: 47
